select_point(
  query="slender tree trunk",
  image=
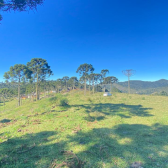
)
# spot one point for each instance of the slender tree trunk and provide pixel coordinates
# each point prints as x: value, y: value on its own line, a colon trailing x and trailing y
x: 104, y: 86
x: 93, y: 86
x: 19, y: 92
x: 85, y: 87
x: 37, y: 88
x: 4, y: 102
x: 89, y: 86
x: 111, y: 88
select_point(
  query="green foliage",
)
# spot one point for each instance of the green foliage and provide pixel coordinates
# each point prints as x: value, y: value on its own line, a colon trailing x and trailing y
x: 19, y: 5
x: 40, y: 71
x: 144, y: 87
x: 73, y: 81
x: 58, y: 100
x: 6, y: 91
x: 85, y: 69
x: 6, y: 94
x: 39, y: 68
x: 163, y: 93
x: 63, y: 101
x: 110, y: 80
x: 104, y: 72
x: 17, y: 72
x: 53, y: 100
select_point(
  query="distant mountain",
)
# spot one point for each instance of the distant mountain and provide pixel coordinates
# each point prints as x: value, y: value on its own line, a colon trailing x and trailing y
x: 138, y: 84
x: 145, y: 87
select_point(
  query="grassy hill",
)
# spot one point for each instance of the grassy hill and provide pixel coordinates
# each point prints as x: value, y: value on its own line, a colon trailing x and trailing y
x: 93, y: 131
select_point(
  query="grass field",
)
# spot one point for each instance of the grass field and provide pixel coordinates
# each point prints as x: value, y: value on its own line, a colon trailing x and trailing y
x: 92, y: 131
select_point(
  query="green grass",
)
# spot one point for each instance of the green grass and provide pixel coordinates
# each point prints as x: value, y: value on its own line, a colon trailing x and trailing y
x: 100, y: 132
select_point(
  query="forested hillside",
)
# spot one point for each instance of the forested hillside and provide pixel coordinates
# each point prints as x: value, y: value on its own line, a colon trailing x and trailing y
x: 138, y: 84
x: 143, y: 87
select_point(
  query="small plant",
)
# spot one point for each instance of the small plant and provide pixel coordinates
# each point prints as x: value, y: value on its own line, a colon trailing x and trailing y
x: 143, y: 98
x: 130, y: 97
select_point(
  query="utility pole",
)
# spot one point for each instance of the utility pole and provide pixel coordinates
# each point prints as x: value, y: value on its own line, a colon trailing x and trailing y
x: 128, y: 73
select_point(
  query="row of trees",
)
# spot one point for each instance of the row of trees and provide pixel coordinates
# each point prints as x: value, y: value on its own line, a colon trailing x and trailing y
x: 87, y: 75
x: 36, y: 71
x: 33, y: 76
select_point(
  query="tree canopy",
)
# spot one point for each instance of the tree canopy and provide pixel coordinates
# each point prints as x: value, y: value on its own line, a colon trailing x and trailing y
x: 19, y: 5
x: 16, y: 74
x: 40, y: 70
x: 84, y: 70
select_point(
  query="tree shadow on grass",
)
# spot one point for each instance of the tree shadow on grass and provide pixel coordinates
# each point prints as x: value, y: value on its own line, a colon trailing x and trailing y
x: 122, y: 110
x: 30, y: 150
x: 123, y: 145
x: 119, y: 146
x: 5, y: 121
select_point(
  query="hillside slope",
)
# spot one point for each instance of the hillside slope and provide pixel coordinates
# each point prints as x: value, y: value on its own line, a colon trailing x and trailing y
x: 92, y: 131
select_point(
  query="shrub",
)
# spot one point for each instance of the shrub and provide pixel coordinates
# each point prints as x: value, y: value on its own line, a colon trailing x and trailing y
x: 53, y: 100
x: 59, y: 100
x: 63, y: 101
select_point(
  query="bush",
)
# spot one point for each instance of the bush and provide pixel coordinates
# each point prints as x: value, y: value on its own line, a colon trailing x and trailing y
x: 59, y: 100
x: 53, y: 100
x: 63, y: 101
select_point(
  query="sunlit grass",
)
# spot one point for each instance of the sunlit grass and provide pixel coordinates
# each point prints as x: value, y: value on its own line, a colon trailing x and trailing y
x: 101, y: 131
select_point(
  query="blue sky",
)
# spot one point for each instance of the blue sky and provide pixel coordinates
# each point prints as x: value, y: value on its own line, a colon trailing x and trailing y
x: 109, y: 34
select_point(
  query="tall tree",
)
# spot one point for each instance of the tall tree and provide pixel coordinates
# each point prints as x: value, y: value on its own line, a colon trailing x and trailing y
x: 89, y: 78
x: 65, y: 79
x: 40, y: 71
x: 93, y: 78
x: 104, y: 72
x: 98, y: 78
x: 59, y: 84
x: 73, y: 81
x: 19, y: 5
x: 84, y: 70
x: 110, y: 80
x: 16, y: 74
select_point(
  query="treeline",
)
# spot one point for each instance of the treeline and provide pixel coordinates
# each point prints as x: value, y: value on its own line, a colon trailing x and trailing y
x: 32, y: 79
